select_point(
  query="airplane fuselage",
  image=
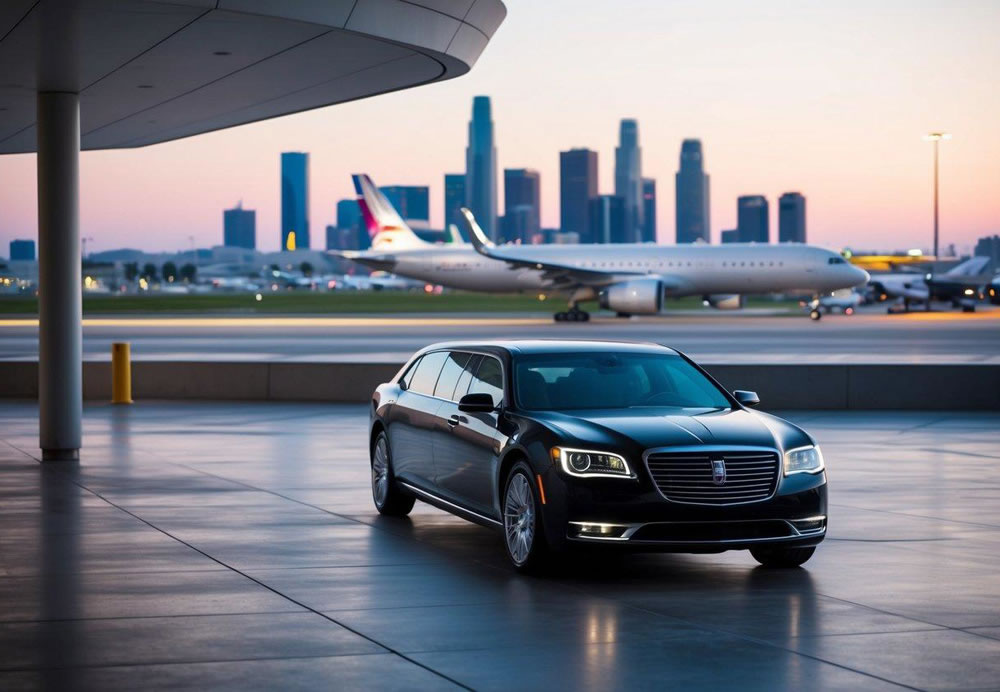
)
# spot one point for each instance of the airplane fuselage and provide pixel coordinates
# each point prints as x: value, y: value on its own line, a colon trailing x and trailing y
x: 686, y: 269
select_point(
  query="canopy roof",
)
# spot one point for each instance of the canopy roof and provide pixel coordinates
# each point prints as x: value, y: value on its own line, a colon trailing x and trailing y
x: 149, y: 71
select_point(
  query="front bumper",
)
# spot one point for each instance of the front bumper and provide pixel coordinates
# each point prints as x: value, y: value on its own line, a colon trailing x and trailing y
x: 633, y: 514
x: 702, y: 536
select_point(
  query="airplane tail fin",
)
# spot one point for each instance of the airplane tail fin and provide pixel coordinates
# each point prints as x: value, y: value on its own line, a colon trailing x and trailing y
x: 972, y: 267
x: 385, y: 226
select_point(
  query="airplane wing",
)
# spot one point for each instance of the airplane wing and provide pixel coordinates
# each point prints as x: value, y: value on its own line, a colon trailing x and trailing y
x: 556, y: 274
x: 380, y: 261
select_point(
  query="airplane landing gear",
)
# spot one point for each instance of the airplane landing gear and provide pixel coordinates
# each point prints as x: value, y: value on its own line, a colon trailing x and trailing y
x: 573, y: 315
x: 815, y: 309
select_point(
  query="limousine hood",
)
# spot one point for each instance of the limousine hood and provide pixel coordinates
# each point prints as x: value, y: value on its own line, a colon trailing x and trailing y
x: 667, y: 427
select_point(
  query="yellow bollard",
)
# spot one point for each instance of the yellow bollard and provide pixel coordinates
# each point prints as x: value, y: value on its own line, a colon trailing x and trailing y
x: 121, y: 374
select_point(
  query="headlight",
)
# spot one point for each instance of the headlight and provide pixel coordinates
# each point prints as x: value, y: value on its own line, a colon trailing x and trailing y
x: 804, y: 460
x: 585, y: 462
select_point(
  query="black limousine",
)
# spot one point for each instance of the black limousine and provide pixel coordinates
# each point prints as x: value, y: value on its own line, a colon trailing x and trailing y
x: 562, y: 443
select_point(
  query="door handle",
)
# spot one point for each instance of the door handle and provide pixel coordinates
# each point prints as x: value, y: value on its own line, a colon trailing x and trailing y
x: 455, y: 420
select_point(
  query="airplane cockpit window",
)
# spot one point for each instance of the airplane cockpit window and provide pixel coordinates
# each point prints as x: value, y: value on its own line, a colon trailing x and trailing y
x: 836, y: 260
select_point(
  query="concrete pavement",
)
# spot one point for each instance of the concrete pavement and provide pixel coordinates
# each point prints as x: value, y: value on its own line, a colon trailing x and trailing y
x: 234, y: 546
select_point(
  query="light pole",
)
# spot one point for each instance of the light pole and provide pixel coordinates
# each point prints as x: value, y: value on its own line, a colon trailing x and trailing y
x: 936, y: 137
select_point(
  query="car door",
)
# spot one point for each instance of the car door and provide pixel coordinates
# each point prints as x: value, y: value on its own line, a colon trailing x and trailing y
x: 466, y: 450
x: 413, y: 420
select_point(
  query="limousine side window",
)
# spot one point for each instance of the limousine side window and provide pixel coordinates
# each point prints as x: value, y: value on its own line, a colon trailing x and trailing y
x: 426, y: 374
x: 454, y: 366
x: 489, y: 379
x: 407, y: 377
x: 462, y: 388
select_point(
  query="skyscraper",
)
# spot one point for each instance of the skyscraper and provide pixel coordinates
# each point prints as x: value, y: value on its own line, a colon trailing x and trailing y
x: 481, y: 168
x: 791, y: 218
x: 411, y: 201
x: 239, y: 227
x: 987, y: 246
x: 628, y: 178
x: 607, y: 219
x: 577, y: 184
x: 22, y: 250
x: 731, y: 236
x: 454, y: 198
x: 294, y: 200
x: 691, y: 184
x: 752, y: 219
x: 648, y: 210
x: 522, y: 204
x: 349, y: 218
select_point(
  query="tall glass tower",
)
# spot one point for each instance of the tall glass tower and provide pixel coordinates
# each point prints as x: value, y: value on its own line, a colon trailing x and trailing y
x: 481, y: 167
x: 294, y: 200
x: 692, y: 195
x: 628, y: 178
x: 577, y: 185
x: 454, y: 198
x: 752, y: 219
x: 792, y: 218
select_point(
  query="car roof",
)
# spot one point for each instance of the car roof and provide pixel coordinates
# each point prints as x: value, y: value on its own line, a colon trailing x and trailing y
x: 533, y: 346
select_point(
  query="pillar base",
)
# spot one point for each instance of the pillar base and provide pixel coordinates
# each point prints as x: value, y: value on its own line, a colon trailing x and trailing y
x: 60, y: 455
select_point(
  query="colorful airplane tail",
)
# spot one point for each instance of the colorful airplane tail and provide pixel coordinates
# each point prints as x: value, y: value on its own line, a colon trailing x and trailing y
x: 385, y: 226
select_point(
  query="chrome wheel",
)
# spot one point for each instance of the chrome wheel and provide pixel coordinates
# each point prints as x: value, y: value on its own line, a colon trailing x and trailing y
x: 380, y: 473
x: 519, y: 518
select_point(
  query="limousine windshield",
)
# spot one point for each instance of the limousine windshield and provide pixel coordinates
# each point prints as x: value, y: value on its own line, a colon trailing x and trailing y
x: 573, y: 381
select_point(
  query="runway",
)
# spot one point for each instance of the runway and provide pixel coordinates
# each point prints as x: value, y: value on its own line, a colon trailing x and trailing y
x: 867, y: 337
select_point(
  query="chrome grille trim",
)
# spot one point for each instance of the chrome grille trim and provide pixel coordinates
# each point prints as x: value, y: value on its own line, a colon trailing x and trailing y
x: 684, y: 474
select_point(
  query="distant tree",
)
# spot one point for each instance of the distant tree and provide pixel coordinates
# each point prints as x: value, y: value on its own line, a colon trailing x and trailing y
x: 169, y: 271
x: 149, y: 271
x: 131, y: 270
x: 306, y: 268
x: 188, y: 272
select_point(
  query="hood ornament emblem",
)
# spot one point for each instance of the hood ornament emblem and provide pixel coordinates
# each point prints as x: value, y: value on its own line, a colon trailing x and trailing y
x: 719, y: 471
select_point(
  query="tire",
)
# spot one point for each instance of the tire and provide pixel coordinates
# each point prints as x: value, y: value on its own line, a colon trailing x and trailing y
x: 815, y: 315
x: 389, y: 499
x: 524, y: 536
x: 773, y: 556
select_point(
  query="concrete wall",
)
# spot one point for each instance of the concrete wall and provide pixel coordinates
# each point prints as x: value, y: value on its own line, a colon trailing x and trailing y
x: 789, y: 387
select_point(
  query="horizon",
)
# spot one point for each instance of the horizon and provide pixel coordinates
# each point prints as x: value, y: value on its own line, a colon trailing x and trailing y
x: 778, y: 96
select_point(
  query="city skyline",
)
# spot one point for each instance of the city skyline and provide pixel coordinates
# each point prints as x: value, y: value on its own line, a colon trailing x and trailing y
x: 848, y: 135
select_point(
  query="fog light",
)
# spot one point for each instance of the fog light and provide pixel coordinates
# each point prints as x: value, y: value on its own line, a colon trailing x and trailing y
x: 585, y: 530
x: 810, y: 524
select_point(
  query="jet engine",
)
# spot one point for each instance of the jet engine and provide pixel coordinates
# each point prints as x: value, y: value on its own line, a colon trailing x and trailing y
x: 724, y: 301
x: 635, y: 297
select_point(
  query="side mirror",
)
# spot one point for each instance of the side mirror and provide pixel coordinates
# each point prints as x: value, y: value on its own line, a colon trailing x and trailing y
x: 746, y: 398
x: 480, y: 402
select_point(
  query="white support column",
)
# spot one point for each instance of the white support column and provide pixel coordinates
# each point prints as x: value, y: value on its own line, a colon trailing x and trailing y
x: 60, y: 306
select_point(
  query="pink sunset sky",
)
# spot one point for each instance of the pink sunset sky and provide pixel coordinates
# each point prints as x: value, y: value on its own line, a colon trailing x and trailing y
x: 827, y: 98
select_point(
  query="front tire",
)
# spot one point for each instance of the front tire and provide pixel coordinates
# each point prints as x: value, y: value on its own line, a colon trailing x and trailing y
x: 389, y: 499
x: 775, y: 556
x: 815, y: 315
x: 524, y: 537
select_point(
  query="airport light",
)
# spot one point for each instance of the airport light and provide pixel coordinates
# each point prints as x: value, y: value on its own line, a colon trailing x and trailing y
x: 936, y: 137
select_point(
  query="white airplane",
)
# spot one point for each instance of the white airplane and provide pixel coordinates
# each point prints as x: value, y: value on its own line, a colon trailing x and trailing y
x: 962, y: 285
x: 630, y: 279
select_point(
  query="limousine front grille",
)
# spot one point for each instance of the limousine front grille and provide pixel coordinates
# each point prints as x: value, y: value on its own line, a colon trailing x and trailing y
x: 696, y: 477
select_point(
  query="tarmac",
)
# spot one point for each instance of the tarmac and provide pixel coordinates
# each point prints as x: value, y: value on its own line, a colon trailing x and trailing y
x: 871, y: 336
x: 235, y: 546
